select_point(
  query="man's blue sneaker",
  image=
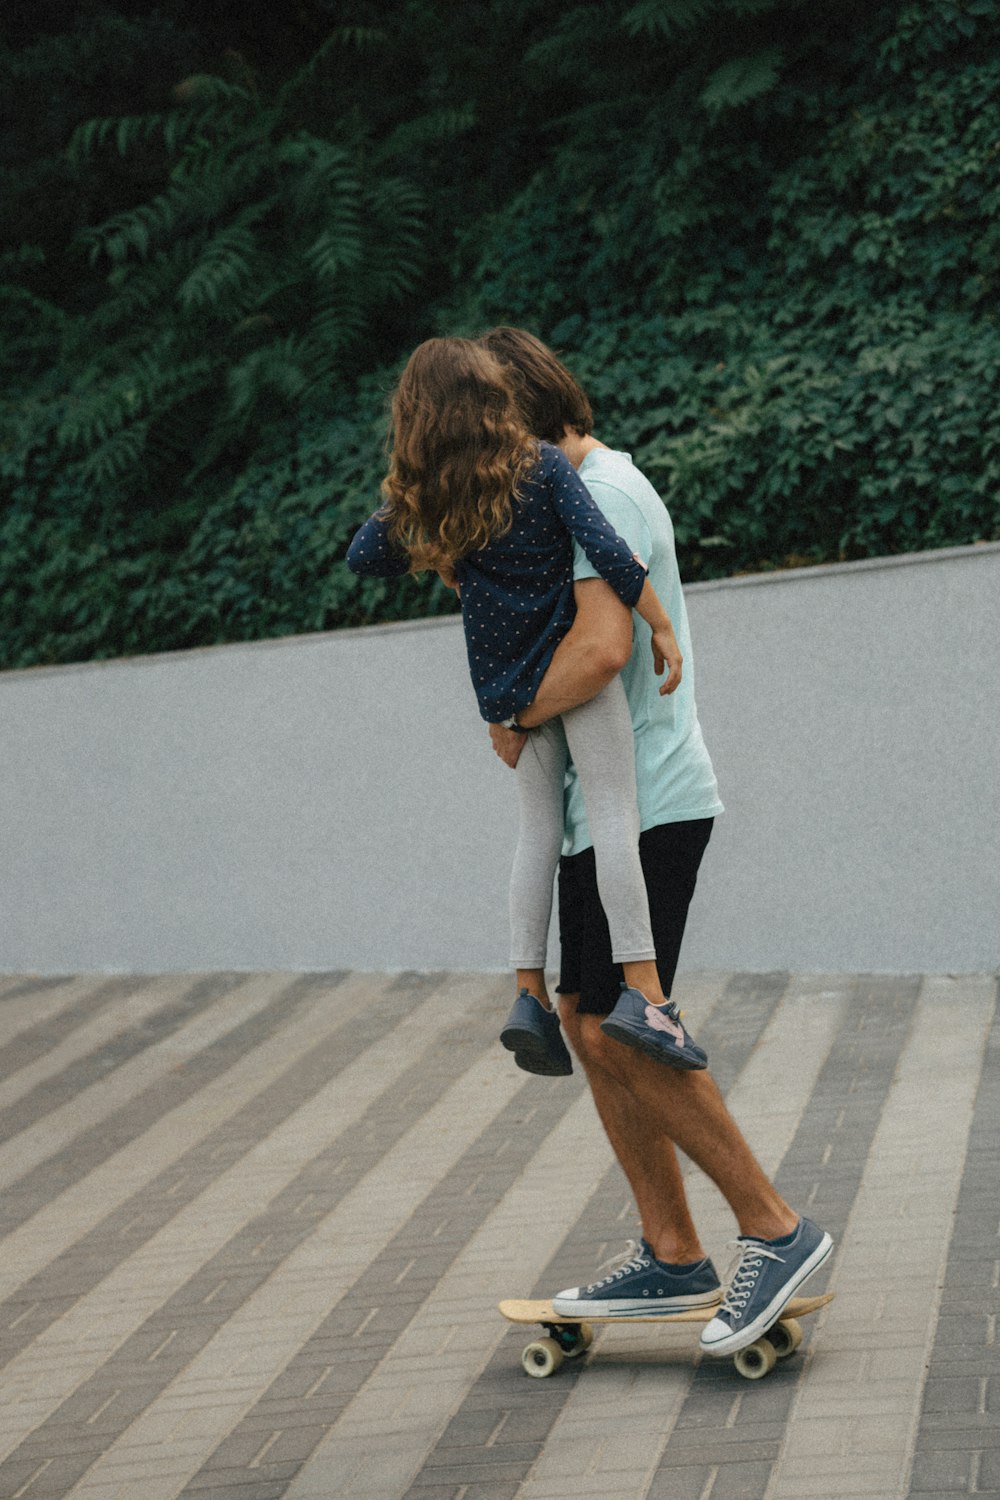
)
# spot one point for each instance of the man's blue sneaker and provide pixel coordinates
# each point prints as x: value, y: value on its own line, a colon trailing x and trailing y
x: 642, y: 1284
x: 768, y: 1274
x: 656, y: 1030
x: 534, y: 1036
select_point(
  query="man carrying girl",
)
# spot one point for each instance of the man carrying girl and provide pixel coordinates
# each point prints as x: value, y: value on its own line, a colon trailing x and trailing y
x: 647, y: 1109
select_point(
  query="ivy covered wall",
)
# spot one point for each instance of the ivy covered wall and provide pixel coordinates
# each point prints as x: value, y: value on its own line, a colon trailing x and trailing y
x: 765, y: 235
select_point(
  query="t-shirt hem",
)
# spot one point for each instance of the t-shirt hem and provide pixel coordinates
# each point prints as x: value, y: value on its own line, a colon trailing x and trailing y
x: 684, y: 816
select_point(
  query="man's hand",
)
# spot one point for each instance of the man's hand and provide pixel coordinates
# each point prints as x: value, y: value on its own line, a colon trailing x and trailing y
x: 667, y: 653
x: 508, y: 744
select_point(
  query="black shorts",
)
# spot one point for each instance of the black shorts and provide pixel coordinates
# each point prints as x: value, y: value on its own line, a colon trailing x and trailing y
x: 671, y: 855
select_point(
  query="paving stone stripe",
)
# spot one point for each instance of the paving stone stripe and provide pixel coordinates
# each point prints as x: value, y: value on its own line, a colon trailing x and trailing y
x: 330, y: 1097
x: 856, y: 1408
x: 27, y: 1004
x: 58, y: 1132
x: 333, y: 1367
x: 102, y: 1407
x: 455, y: 1331
x: 25, y: 1195
x: 957, y: 1450
x: 57, y: 1007
x: 127, y: 1043
x: 148, y: 1191
x: 30, y: 1083
x: 614, y: 1427
x: 819, y: 1175
x: 61, y: 1235
x: 329, y: 1370
x: 363, y: 1362
x: 443, y: 1239
x: 729, y: 1034
x: 12, y: 986
x: 269, y: 1327
x: 100, y: 1142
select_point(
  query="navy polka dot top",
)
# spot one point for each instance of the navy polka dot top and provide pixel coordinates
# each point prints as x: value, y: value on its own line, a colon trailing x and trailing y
x: 517, y: 592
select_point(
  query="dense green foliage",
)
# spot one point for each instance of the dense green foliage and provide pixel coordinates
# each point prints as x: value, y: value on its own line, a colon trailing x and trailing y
x: 764, y: 233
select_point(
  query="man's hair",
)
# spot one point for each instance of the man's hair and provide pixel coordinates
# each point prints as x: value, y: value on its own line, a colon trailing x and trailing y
x: 549, y: 397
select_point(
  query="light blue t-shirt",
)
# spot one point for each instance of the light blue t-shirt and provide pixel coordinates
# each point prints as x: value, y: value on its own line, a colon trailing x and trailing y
x: 674, y: 773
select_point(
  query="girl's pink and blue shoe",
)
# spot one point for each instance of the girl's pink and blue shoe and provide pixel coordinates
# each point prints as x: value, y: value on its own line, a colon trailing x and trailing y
x: 656, y: 1030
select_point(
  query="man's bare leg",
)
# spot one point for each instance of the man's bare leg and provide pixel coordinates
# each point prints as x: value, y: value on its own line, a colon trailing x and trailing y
x: 653, y: 1172
x: 648, y: 1109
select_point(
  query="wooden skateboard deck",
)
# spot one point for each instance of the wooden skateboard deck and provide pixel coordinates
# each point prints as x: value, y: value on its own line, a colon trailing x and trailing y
x: 568, y: 1338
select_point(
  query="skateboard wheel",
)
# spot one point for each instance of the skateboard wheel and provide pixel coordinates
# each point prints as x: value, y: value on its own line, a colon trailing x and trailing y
x: 786, y: 1337
x: 756, y: 1360
x: 542, y: 1357
x: 580, y: 1340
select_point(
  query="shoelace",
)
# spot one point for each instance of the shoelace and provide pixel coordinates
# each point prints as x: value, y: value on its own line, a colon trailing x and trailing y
x: 744, y: 1270
x: 633, y: 1258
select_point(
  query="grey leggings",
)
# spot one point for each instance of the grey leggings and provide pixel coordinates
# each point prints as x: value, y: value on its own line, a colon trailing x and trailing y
x: 598, y: 736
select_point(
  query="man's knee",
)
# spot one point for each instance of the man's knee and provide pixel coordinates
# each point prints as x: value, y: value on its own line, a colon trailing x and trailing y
x: 583, y: 1031
x: 574, y: 1024
x: 624, y: 1067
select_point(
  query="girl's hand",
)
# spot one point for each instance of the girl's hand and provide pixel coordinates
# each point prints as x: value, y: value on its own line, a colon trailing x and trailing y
x: 667, y: 653
x: 447, y: 577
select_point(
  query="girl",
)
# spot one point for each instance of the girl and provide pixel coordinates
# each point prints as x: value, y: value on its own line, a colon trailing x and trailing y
x: 473, y: 495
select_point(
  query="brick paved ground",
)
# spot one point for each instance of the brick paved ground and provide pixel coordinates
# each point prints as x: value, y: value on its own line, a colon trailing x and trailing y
x: 255, y: 1227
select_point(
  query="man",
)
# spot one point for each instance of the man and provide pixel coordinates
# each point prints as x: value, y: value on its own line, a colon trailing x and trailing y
x: 647, y: 1110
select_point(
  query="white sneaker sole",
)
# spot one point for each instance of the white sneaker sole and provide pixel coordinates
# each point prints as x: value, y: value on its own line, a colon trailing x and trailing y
x: 633, y: 1307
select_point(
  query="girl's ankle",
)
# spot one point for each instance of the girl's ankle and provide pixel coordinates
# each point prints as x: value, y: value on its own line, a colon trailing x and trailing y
x: 534, y: 983
x: 656, y: 998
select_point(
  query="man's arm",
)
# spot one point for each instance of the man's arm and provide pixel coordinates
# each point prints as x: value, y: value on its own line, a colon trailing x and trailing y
x: 596, y: 647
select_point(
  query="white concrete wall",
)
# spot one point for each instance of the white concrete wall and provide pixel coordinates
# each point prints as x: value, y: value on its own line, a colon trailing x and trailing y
x: 331, y: 801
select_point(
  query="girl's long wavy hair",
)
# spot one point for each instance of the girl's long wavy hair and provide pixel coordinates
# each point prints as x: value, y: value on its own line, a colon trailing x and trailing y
x: 459, y: 453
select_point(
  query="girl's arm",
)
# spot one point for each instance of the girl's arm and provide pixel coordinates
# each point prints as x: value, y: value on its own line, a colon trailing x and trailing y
x: 372, y: 554
x: 610, y: 555
x: 616, y: 563
x: 665, y: 648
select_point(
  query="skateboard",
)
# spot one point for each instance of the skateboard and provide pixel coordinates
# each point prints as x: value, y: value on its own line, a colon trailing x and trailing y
x: 568, y: 1338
